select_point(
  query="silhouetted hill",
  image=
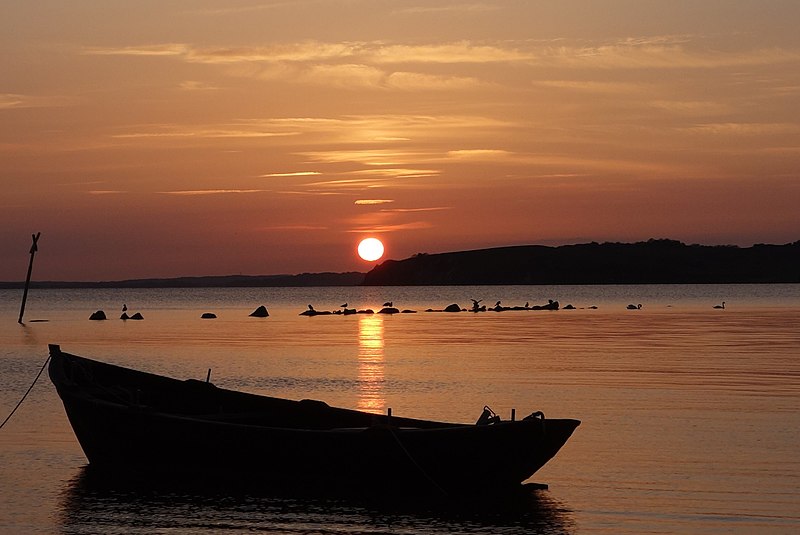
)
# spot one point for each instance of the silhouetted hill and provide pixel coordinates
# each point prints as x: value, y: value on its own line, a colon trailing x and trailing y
x: 651, y: 262
x: 230, y: 281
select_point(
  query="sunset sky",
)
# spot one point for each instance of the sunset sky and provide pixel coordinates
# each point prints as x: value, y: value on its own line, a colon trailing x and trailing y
x: 170, y: 138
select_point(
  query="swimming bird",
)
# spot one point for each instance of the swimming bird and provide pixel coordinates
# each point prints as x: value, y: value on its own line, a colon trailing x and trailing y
x: 388, y: 304
x: 720, y: 306
x: 635, y: 307
x: 344, y: 305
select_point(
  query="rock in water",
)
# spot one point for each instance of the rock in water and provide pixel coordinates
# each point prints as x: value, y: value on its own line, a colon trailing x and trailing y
x: 260, y: 312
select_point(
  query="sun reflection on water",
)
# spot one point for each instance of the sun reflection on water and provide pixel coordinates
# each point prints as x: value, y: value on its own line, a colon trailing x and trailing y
x: 370, y: 364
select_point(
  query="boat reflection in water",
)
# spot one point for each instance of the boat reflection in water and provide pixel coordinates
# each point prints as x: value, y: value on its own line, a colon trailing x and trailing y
x: 370, y: 364
x: 91, y: 503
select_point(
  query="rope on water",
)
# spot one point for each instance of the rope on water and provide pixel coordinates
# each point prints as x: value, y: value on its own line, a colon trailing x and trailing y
x: 26, y: 393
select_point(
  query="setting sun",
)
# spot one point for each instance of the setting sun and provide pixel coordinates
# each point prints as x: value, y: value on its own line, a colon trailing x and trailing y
x: 370, y: 249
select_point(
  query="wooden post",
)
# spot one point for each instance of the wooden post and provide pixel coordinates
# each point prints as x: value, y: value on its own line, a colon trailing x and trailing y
x: 34, y: 248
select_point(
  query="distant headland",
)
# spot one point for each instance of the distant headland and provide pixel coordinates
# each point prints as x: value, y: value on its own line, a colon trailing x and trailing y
x: 656, y: 261
x: 352, y: 278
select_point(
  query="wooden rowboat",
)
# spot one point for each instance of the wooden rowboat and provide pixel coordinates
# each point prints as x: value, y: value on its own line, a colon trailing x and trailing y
x: 153, y: 428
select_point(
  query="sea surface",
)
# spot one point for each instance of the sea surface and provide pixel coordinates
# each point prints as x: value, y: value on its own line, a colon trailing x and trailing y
x: 690, y: 414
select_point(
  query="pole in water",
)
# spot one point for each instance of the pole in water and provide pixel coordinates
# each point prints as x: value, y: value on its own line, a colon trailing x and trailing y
x: 34, y: 248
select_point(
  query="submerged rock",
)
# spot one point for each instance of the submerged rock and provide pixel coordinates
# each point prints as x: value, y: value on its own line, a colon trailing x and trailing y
x: 137, y: 316
x: 99, y: 315
x: 260, y: 312
x: 452, y: 308
x: 208, y: 316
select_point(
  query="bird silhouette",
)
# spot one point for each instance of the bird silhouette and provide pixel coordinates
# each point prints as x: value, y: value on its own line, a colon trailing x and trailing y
x: 124, y: 307
x: 635, y: 307
x: 343, y: 305
x: 720, y: 306
x: 388, y: 304
x: 311, y: 308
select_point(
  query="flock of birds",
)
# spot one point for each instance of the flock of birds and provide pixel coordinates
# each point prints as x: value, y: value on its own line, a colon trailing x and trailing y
x: 639, y: 306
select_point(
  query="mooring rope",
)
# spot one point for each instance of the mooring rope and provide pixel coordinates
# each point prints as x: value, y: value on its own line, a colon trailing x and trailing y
x: 26, y: 393
x: 415, y: 463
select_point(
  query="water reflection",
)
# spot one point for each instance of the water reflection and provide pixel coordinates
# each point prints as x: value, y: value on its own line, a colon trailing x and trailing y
x: 370, y: 364
x: 89, y: 504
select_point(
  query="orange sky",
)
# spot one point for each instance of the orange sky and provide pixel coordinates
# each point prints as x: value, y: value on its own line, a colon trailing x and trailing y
x: 160, y: 139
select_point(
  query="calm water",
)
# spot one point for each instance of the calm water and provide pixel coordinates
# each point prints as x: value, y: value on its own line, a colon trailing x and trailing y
x: 691, y: 415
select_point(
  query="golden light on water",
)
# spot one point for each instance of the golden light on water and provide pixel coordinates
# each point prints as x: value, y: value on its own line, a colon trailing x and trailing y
x: 370, y: 364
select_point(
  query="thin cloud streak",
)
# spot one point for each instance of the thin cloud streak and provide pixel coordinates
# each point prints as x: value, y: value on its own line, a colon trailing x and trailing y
x: 12, y: 101
x: 287, y: 175
x: 478, y: 8
x: 372, y: 201
x: 212, y: 192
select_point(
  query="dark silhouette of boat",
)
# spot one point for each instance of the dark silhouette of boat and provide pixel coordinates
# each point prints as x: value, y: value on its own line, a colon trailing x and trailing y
x: 149, y: 428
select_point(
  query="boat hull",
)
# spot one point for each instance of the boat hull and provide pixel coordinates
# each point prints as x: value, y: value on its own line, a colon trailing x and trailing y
x: 148, y: 427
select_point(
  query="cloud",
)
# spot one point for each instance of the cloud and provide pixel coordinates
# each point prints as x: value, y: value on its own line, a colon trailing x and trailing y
x: 240, y: 130
x: 346, y: 64
x: 414, y: 225
x: 211, y: 192
x: 372, y: 201
x: 297, y: 173
x: 11, y: 101
x: 480, y: 154
x: 105, y: 192
x: 375, y: 157
x: 159, y: 50
x: 410, y: 210
x: 391, y: 172
x: 592, y: 86
x: 746, y: 129
x: 457, y: 52
x: 410, y: 81
x: 449, y: 9
x: 311, y: 192
x: 347, y: 76
x: 295, y: 227
x: 344, y: 183
x: 660, y: 53
x: 248, y: 9
x: 192, y: 85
